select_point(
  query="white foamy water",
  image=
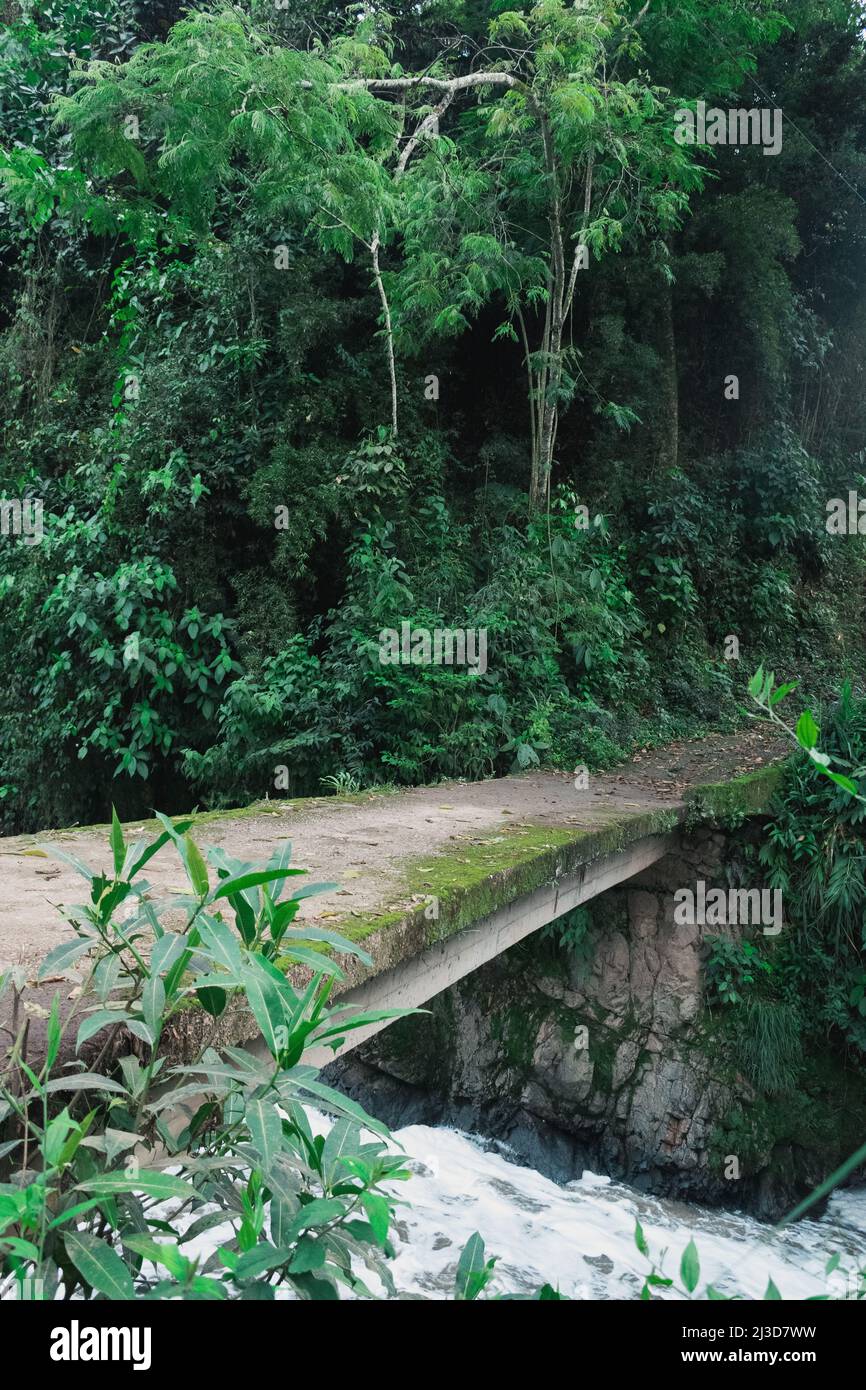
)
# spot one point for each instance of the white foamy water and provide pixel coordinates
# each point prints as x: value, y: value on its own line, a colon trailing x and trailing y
x: 580, y: 1237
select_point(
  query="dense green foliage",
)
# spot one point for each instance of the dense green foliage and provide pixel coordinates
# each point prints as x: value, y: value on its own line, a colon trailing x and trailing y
x: 211, y: 245
x: 787, y: 995
x: 813, y: 852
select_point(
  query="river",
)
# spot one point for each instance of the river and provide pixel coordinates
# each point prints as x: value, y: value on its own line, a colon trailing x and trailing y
x: 580, y: 1237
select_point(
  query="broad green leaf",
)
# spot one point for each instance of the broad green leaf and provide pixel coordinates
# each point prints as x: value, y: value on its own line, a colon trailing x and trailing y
x: 842, y: 781
x: 342, y: 1140
x: 807, y: 731
x: 780, y: 694
x: 70, y: 859
x: 331, y: 938
x: 172, y: 833
x: 95, y: 1022
x: 756, y: 684
x: 84, y: 1081
x: 267, y: 1007
x: 55, y: 1136
x: 212, y: 1000
x: 71, y: 1212
x: 163, y: 1253
x: 166, y: 951
x: 304, y: 1079
x: 378, y: 1214
x: 220, y: 942
x: 470, y: 1268
x: 310, y: 1254
x: 63, y: 956
x: 285, y: 1183
x: 309, y: 890
x: 100, y: 1265
x: 151, y: 1181
x: 259, y: 1260
x: 334, y: 1030
x: 266, y: 1129
x: 320, y: 1212
x: 317, y: 962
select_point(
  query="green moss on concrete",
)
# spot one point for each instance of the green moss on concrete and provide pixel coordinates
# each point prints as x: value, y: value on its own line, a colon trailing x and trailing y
x: 729, y: 803
x: 471, y: 883
x: 476, y: 880
x: 360, y: 925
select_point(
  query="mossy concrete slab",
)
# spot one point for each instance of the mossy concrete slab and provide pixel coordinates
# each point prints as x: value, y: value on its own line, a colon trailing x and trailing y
x: 412, y: 867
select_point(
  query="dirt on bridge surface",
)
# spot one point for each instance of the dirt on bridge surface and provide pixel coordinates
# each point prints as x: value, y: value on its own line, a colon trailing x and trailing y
x: 359, y: 844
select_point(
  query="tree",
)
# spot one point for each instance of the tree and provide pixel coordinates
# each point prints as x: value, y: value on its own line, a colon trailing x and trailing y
x: 343, y: 140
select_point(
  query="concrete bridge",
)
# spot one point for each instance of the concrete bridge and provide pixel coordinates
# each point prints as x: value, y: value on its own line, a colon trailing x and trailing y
x: 434, y: 882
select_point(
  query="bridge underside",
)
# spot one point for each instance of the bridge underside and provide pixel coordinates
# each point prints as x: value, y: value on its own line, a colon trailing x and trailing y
x: 416, y: 980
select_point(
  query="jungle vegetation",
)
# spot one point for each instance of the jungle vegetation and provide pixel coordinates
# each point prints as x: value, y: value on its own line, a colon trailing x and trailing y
x: 316, y: 319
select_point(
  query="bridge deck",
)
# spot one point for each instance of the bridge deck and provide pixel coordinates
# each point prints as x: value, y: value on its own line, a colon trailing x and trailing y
x: 414, y: 869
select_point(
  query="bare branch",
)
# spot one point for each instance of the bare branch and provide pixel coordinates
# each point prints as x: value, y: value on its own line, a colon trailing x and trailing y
x: 430, y: 124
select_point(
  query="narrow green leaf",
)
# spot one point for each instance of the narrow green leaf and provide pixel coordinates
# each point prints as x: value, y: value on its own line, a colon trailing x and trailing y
x: 251, y: 880
x: 52, y: 1035
x: 690, y: 1267
x: 640, y: 1239
x: 196, y: 868
x: 153, y: 1002
x: 118, y: 848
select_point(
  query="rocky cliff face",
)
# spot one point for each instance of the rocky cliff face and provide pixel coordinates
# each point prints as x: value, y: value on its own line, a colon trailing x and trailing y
x: 600, y: 1053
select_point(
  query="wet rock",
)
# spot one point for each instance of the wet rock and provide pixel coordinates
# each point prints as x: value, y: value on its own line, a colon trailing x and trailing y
x: 598, y: 1058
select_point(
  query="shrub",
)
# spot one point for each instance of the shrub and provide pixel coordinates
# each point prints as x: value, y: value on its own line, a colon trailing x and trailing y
x: 105, y: 1192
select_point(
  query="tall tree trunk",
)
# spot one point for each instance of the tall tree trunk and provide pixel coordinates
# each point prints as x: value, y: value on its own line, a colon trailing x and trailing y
x: 389, y: 330
x: 561, y: 286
